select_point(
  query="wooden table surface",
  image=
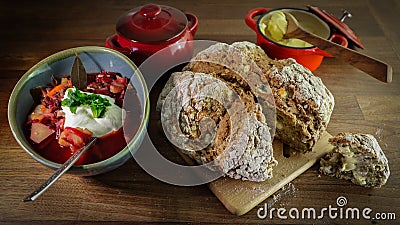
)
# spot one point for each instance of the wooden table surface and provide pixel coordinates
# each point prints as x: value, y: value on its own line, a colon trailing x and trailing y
x: 32, y: 30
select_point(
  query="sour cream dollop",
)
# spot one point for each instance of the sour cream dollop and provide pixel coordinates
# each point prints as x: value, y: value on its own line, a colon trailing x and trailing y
x: 112, y: 120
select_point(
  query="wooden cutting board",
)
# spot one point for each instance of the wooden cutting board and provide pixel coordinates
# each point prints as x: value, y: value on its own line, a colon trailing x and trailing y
x: 239, y: 196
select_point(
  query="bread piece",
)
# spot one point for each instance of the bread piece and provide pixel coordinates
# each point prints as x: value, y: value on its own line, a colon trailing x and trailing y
x: 242, y: 145
x: 303, y: 103
x: 235, y: 68
x: 358, y: 158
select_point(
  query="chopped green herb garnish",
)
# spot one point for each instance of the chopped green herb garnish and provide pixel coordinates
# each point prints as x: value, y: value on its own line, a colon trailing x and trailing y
x: 97, y: 104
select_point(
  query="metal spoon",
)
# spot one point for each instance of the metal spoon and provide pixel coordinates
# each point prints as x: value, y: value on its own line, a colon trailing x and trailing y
x: 59, y: 172
x: 369, y: 65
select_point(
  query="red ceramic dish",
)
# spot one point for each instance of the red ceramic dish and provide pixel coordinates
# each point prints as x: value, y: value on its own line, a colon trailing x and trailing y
x: 309, y: 57
x: 145, y: 30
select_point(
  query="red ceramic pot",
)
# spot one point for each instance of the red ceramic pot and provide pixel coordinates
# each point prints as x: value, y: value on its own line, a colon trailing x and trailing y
x: 145, y: 30
x: 309, y: 57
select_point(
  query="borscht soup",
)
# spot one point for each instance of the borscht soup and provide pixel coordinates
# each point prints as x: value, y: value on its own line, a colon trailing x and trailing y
x: 64, y: 118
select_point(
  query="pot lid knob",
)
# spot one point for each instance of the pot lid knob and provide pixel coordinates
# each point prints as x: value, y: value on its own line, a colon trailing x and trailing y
x: 150, y: 11
x: 152, y: 23
x: 346, y: 14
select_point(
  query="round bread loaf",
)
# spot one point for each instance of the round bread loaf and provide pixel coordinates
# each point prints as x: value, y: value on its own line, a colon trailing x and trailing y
x: 303, y: 103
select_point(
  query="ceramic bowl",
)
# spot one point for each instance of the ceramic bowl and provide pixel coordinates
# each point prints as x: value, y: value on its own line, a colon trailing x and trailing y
x: 310, y: 57
x: 95, y: 59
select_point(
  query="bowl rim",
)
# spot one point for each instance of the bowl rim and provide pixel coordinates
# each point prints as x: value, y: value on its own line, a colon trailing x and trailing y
x: 12, y: 108
x: 295, y: 9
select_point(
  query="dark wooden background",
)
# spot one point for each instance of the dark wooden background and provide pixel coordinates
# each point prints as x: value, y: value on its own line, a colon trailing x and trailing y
x: 32, y: 30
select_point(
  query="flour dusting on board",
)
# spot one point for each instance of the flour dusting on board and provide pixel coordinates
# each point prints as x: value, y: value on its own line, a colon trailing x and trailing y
x: 282, y: 195
x: 379, y: 136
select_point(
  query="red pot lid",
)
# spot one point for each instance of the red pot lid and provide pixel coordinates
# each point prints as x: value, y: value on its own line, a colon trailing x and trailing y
x: 152, y: 23
x: 336, y: 23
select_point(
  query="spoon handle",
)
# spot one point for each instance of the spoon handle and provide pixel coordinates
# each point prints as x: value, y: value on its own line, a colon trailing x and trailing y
x: 374, y: 67
x: 60, y: 171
